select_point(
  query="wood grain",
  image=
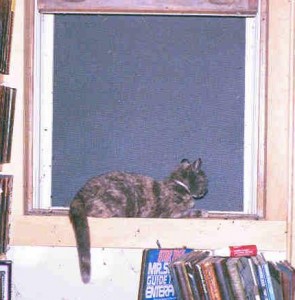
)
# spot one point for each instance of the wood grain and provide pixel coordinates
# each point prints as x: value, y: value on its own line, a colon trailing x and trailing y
x: 278, y: 110
x: 142, y: 233
x: 29, y: 102
x: 219, y: 7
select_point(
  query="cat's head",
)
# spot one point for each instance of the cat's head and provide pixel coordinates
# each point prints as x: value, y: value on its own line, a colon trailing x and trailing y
x: 193, y: 177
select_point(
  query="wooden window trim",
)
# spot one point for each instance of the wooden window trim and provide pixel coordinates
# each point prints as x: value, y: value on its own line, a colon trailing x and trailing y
x: 216, y: 7
x: 45, y: 228
x: 261, y: 75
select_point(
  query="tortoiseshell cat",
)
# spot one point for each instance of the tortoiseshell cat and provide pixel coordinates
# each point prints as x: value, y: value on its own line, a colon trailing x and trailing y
x: 119, y: 194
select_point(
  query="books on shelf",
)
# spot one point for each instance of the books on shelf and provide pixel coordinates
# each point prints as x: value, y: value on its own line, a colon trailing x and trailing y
x: 155, y: 277
x: 200, y: 275
x: 7, y: 109
x: 6, y: 182
x: 6, y: 27
x: 5, y: 279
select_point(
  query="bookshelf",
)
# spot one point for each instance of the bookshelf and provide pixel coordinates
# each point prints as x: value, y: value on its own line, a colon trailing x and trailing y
x: 7, y: 110
x: 196, y: 274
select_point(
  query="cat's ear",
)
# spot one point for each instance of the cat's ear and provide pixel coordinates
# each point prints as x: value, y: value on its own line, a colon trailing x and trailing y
x: 197, y: 165
x: 185, y: 162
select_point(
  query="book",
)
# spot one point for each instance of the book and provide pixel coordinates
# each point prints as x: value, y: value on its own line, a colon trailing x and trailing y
x: 186, y: 285
x: 276, y: 279
x: 255, y: 279
x: 6, y: 182
x: 235, y: 279
x: 155, y: 277
x: 202, y: 283
x: 223, y: 278
x: 267, y: 277
x: 6, y: 27
x: 288, y: 279
x: 247, y: 279
x: 208, y: 270
x: 7, y: 110
x: 261, y: 280
x: 5, y: 279
x: 190, y: 265
x: 184, y: 290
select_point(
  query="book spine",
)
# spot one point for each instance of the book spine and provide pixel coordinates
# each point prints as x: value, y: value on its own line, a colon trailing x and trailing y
x: 7, y: 110
x: 190, y: 263
x: 261, y: 280
x: 182, y: 278
x: 6, y: 186
x: 223, y: 279
x: 11, y: 111
x: 255, y: 280
x: 2, y: 120
x: 2, y: 284
x: 174, y: 281
x: 193, y: 283
x: 2, y: 203
x: 267, y: 277
x: 211, y: 281
x: 277, y: 280
x: 235, y: 279
x: 7, y: 20
x: 202, y: 283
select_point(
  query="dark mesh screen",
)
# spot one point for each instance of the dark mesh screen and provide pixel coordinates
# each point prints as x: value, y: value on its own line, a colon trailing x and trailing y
x: 139, y: 93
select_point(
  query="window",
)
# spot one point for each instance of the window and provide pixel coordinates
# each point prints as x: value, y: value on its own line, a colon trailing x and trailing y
x: 149, y: 91
x: 39, y: 227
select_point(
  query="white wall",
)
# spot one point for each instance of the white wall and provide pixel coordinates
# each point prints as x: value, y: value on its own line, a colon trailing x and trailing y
x: 47, y: 273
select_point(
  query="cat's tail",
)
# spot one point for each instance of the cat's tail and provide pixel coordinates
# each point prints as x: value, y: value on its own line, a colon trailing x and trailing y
x: 79, y: 221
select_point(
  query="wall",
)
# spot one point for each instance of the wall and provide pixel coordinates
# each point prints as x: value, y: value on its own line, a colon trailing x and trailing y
x: 51, y: 272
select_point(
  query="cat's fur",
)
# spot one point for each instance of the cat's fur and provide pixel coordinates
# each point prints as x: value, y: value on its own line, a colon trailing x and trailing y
x: 119, y: 194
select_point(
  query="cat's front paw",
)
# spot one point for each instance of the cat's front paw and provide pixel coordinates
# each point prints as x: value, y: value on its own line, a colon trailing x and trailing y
x: 198, y: 213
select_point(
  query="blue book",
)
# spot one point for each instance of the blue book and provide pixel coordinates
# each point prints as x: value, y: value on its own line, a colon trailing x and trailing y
x: 260, y: 277
x: 267, y: 277
x: 155, y: 279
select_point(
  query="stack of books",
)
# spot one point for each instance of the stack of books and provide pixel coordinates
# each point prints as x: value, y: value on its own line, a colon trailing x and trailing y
x: 6, y: 26
x: 6, y: 182
x: 199, y: 275
x: 7, y: 109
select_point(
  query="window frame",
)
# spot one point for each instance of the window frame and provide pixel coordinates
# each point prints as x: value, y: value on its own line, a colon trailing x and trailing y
x: 207, y: 7
x: 43, y: 227
x: 40, y: 175
x: 43, y: 110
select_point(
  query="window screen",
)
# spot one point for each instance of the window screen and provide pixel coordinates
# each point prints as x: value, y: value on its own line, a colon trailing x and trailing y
x: 140, y: 93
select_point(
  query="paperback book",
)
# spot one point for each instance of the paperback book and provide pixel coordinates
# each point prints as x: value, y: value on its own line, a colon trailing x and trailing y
x: 6, y: 182
x: 155, y: 278
x: 5, y: 279
x: 6, y: 27
x: 7, y: 109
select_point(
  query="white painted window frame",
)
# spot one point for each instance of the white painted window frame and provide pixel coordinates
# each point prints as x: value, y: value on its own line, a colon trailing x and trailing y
x: 43, y: 113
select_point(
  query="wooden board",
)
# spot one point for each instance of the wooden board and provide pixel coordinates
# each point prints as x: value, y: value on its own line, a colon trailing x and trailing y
x: 219, y: 7
x: 144, y: 233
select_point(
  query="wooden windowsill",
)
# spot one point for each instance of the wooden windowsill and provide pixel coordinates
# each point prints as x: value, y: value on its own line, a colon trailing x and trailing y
x: 144, y: 233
